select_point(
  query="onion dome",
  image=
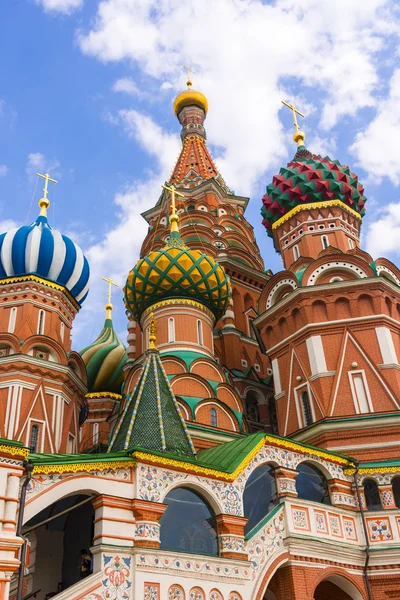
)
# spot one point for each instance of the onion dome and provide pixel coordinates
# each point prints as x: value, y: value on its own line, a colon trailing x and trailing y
x: 307, y: 179
x: 175, y: 271
x: 104, y: 360
x: 39, y: 250
x: 190, y: 98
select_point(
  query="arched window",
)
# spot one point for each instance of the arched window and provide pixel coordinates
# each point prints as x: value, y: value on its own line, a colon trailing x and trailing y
x: 273, y: 418
x: 171, y: 330
x: 372, y: 497
x: 40, y: 327
x: 34, y: 440
x: 200, y: 332
x: 252, y: 405
x: 311, y: 484
x: 296, y: 253
x: 213, y: 417
x: 188, y: 524
x: 351, y: 243
x: 62, y: 329
x: 325, y: 241
x: 306, y: 408
x: 396, y: 490
x: 12, y: 319
x: 259, y: 496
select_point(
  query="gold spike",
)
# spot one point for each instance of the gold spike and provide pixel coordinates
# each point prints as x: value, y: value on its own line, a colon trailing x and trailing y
x: 152, y: 333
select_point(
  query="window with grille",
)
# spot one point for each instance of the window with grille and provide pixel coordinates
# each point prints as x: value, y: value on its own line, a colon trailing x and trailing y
x: 33, y: 443
x: 306, y: 407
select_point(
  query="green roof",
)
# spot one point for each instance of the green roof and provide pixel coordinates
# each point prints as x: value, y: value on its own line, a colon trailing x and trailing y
x: 151, y: 419
x: 227, y: 457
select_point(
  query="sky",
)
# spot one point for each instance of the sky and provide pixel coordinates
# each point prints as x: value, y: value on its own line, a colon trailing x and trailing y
x: 86, y: 93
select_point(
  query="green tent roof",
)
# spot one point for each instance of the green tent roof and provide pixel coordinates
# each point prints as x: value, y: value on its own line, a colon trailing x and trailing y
x: 151, y: 418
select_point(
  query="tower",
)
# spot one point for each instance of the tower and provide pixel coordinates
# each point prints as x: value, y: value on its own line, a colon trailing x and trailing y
x: 44, y: 279
x: 329, y: 322
x: 212, y: 221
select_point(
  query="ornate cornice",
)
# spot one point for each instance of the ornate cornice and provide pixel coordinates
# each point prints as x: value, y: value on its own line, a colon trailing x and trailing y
x: 45, y: 282
x: 82, y: 467
x: 172, y: 301
x: 313, y: 206
x: 14, y: 450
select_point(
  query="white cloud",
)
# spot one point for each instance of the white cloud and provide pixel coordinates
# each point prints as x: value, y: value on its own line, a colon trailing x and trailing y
x: 383, y: 235
x: 126, y: 85
x: 377, y: 147
x: 37, y: 162
x: 118, y: 251
x: 61, y: 6
x: 3, y: 170
x: 247, y: 57
x: 7, y: 224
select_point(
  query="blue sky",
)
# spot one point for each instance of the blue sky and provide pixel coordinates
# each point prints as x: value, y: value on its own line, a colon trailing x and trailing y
x: 86, y: 91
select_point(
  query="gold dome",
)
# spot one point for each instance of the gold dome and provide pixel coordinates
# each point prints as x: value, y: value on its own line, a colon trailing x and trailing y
x: 189, y: 98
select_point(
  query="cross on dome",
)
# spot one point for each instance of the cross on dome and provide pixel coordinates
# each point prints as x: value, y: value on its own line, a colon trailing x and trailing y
x: 173, y: 218
x: 44, y: 202
x: 298, y: 136
x: 109, y: 306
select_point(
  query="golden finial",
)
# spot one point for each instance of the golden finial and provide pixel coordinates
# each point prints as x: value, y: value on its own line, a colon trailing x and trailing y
x: 44, y: 202
x: 298, y: 136
x: 109, y: 306
x: 173, y: 218
x: 152, y: 333
x: 189, y: 79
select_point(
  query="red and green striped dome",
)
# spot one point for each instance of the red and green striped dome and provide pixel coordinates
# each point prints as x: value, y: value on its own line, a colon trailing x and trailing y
x: 307, y: 179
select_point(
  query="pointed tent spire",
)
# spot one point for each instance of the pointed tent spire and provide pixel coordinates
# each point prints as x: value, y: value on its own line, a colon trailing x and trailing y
x: 151, y: 419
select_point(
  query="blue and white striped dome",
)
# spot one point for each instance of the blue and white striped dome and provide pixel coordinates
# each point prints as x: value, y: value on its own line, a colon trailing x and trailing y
x: 39, y: 250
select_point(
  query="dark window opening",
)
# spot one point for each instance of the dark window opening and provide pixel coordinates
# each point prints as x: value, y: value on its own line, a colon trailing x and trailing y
x: 188, y: 524
x: 372, y: 497
x: 311, y: 484
x: 260, y: 495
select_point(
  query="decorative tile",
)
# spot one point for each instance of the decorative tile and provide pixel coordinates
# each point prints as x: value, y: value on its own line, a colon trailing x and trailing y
x: 148, y: 531
x: 350, y: 531
x: 151, y: 591
x: 231, y: 543
x: 320, y: 522
x: 300, y: 518
x: 266, y: 542
x: 197, y: 593
x: 335, y: 525
x: 234, y: 596
x: 379, y: 530
x: 215, y: 595
x: 117, y: 582
x: 175, y: 592
x: 387, y: 498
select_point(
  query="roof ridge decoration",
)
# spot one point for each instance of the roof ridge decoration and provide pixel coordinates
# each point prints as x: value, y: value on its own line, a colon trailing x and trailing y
x: 151, y: 418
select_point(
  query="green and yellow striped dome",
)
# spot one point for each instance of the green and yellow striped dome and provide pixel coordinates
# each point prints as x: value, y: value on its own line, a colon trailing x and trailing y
x: 177, y: 272
x: 104, y: 360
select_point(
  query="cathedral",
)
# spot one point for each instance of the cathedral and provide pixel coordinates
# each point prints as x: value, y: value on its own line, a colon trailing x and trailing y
x: 245, y: 443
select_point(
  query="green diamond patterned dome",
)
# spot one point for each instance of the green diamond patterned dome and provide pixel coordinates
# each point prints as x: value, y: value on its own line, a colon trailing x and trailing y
x: 308, y: 179
x: 177, y: 272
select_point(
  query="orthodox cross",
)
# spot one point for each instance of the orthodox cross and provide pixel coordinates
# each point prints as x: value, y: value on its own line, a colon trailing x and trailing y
x: 110, y: 283
x: 295, y: 112
x: 189, y: 79
x: 44, y: 202
x: 173, y: 217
